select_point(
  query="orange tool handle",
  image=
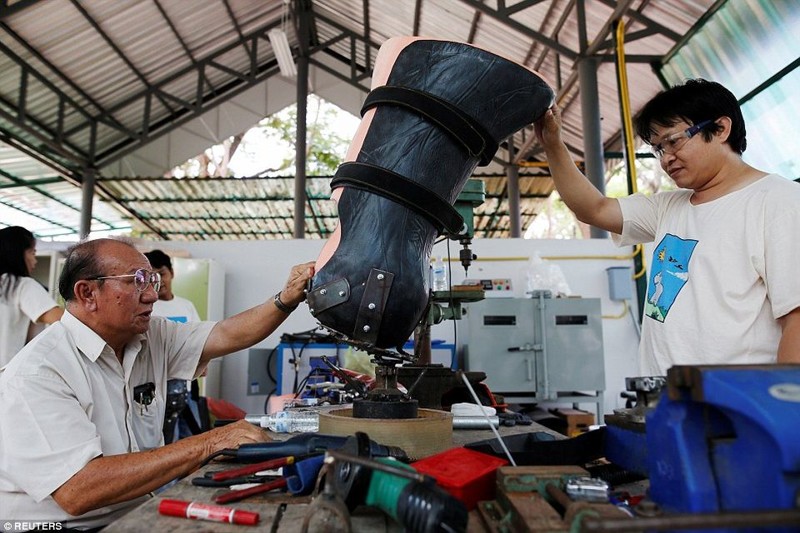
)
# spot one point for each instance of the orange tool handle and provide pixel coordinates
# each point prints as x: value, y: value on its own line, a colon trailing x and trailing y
x: 252, y: 469
x: 236, y: 495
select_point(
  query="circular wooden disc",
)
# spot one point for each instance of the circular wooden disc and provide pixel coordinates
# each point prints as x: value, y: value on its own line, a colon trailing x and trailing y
x: 428, y: 434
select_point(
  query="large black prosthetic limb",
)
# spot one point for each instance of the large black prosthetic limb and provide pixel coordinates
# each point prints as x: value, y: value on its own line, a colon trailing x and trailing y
x: 437, y: 110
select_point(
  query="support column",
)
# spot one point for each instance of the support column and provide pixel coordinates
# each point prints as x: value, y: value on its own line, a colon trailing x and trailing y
x: 300, y: 149
x: 87, y: 199
x: 592, y: 134
x: 512, y: 179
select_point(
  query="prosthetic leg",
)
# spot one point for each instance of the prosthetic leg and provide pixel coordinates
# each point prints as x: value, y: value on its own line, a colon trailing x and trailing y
x: 437, y: 109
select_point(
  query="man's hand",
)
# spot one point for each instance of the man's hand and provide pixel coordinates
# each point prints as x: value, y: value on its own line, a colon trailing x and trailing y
x: 548, y: 128
x: 293, y: 291
x: 232, y: 435
x: 257, y: 323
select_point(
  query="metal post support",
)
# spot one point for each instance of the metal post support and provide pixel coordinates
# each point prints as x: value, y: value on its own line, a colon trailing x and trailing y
x: 592, y: 134
x: 87, y: 198
x: 300, y: 149
x: 302, y: 10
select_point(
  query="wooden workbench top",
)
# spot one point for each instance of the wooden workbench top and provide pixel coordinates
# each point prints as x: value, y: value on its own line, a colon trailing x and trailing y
x: 278, y: 512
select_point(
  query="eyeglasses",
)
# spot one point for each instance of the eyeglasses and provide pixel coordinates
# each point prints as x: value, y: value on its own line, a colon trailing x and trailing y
x: 672, y: 143
x: 141, y: 279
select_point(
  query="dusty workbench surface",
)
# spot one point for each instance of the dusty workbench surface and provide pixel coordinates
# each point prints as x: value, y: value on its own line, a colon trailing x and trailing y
x: 278, y: 512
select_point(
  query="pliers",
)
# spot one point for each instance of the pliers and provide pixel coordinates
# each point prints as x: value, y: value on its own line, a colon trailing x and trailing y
x: 298, y: 476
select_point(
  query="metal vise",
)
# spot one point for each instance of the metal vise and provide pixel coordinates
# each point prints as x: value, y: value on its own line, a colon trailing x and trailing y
x: 726, y: 438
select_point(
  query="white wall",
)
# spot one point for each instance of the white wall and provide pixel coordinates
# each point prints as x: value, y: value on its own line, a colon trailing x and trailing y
x: 255, y: 270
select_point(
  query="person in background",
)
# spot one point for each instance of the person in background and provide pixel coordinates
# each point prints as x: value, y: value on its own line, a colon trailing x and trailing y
x: 169, y: 305
x: 182, y: 417
x: 22, y: 299
x: 722, y: 285
x: 82, y: 405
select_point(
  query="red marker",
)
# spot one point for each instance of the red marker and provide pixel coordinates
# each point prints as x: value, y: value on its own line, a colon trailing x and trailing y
x: 204, y: 511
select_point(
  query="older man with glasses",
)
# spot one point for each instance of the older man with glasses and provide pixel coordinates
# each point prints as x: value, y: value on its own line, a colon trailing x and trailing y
x: 82, y: 406
x: 723, y: 288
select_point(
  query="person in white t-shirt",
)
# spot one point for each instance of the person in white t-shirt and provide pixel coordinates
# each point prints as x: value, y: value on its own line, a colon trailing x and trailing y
x: 22, y: 299
x: 182, y: 417
x: 170, y: 305
x: 722, y: 287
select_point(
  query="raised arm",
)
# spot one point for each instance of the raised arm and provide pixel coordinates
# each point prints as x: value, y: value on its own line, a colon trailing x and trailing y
x: 51, y: 315
x: 254, y: 325
x: 583, y: 198
x: 789, y: 346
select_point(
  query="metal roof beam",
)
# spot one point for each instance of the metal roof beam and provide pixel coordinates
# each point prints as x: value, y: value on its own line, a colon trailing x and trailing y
x: 110, y: 42
x: 9, y: 7
x: 151, y: 130
x: 36, y: 132
x: 47, y: 195
x: 179, y: 38
x: 30, y: 183
x: 220, y: 199
x: 237, y: 217
x: 504, y: 17
x: 63, y: 77
x: 242, y: 233
x: 648, y: 22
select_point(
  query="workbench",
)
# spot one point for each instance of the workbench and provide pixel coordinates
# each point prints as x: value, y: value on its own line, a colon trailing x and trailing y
x: 280, y: 512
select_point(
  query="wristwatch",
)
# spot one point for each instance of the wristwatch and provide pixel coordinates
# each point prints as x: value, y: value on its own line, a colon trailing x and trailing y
x: 282, y: 306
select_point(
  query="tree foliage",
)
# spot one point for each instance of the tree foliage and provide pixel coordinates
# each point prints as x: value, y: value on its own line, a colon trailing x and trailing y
x: 268, y: 148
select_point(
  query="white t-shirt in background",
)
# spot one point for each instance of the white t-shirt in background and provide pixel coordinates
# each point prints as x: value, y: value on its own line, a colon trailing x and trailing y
x: 25, y: 304
x: 178, y: 310
x: 721, y: 274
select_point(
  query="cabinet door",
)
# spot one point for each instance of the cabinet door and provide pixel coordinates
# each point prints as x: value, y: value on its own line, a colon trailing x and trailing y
x: 501, y: 343
x: 573, y: 339
x: 47, y: 271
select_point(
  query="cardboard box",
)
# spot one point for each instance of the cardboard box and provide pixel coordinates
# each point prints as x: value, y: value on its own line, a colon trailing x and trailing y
x: 576, y: 421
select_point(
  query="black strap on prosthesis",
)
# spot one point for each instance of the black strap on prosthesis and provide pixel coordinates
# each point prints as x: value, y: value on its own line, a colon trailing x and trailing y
x: 459, y: 125
x: 402, y: 190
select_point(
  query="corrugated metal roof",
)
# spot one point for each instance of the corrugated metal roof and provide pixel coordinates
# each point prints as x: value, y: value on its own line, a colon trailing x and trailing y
x: 85, y: 83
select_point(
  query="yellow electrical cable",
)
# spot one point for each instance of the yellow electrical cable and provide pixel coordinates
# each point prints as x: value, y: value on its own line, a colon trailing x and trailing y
x: 621, y: 315
x: 627, y: 122
x: 625, y: 103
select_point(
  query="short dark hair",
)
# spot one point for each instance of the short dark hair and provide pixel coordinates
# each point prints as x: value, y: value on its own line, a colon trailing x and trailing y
x: 158, y: 259
x: 693, y: 102
x: 14, y: 241
x: 83, y: 262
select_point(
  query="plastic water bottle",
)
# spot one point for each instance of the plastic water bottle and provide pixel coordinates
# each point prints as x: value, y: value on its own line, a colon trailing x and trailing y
x: 439, y: 275
x: 291, y: 422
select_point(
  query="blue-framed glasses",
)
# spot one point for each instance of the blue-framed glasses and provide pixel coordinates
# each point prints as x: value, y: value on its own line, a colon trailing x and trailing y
x: 141, y: 279
x: 672, y: 143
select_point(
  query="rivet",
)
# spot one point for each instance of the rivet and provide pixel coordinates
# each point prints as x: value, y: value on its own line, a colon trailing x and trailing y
x: 371, y: 306
x: 380, y: 276
x: 323, y: 291
x: 311, y: 310
x: 342, y: 293
x: 366, y: 329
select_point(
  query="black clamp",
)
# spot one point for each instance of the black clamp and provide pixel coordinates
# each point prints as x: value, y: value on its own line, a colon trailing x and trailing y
x: 329, y: 295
